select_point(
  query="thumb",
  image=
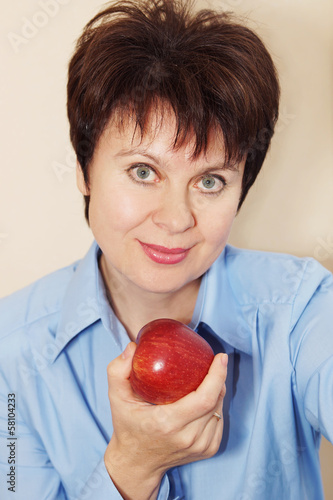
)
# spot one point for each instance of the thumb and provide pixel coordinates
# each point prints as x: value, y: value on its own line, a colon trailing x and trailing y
x: 120, y: 368
x: 127, y: 357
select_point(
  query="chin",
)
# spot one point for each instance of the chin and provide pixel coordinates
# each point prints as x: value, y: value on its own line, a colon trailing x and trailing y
x: 162, y: 288
x: 166, y: 284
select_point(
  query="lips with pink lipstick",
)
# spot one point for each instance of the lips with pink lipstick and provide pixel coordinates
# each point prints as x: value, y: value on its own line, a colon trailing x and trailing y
x: 164, y: 255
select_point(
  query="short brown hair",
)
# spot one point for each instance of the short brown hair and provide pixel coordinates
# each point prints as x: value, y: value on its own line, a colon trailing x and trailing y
x: 211, y: 69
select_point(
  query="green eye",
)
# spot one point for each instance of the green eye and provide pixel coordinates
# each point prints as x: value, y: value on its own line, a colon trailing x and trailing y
x: 143, y: 172
x: 211, y: 184
x: 208, y: 182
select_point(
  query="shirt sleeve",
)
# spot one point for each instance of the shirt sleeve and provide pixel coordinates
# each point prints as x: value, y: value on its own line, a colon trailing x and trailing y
x: 99, y: 485
x: 30, y: 469
x: 312, y: 348
x: 24, y: 466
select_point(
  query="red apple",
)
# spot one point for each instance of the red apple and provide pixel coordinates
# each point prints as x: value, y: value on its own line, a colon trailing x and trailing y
x: 170, y: 361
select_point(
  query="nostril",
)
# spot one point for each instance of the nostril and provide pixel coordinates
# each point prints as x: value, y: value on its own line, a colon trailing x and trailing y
x: 175, y: 217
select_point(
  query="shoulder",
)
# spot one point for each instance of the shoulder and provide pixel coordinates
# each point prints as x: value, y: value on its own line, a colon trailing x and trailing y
x: 258, y: 276
x: 34, y: 302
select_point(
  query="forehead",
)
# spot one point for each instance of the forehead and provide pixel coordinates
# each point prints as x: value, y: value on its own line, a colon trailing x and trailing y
x: 160, y: 134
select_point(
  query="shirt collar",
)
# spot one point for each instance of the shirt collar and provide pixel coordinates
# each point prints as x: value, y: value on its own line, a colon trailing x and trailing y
x: 220, y: 309
x: 84, y: 302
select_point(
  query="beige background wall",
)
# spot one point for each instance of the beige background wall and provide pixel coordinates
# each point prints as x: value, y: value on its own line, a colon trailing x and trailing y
x: 41, y: 221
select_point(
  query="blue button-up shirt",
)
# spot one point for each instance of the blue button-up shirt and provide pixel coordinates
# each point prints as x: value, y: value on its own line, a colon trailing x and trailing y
x: 273, y: 315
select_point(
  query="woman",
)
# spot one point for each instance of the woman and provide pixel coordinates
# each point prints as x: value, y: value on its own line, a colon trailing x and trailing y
x: 171, y: 115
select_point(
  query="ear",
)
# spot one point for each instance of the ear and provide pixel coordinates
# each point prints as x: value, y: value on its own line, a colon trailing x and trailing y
x: 80, y: 181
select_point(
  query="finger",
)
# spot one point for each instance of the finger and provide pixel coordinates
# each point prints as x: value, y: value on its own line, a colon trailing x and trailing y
x: 209, y: 395
x: 214, y: 383
x: 216, y: 428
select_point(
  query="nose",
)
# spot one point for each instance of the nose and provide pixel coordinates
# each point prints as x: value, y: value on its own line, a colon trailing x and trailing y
x: 174, y: 212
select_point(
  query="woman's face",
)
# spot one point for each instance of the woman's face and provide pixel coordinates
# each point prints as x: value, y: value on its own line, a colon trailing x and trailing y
x: 160, y: 218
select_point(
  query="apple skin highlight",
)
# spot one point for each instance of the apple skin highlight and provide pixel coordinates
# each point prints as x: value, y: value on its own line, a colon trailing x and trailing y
x: 170, y: 361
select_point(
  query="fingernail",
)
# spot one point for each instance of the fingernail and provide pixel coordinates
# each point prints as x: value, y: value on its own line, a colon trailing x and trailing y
x: 125, y: 354
x: 224, y: 360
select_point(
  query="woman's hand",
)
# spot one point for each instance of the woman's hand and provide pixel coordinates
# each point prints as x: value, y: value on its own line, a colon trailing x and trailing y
x: 150, y: 439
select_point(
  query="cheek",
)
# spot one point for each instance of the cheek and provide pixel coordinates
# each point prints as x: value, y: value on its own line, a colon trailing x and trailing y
x: 117, y: 209
x: 216, y: 225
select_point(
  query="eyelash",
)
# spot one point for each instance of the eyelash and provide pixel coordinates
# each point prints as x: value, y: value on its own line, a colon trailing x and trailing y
x: 149, y: 184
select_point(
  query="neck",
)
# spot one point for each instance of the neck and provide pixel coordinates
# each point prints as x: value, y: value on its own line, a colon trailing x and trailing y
x: 135, y: 307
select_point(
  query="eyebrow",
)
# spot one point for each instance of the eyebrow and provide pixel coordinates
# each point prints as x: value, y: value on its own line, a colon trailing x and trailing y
x: 234, y: 167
